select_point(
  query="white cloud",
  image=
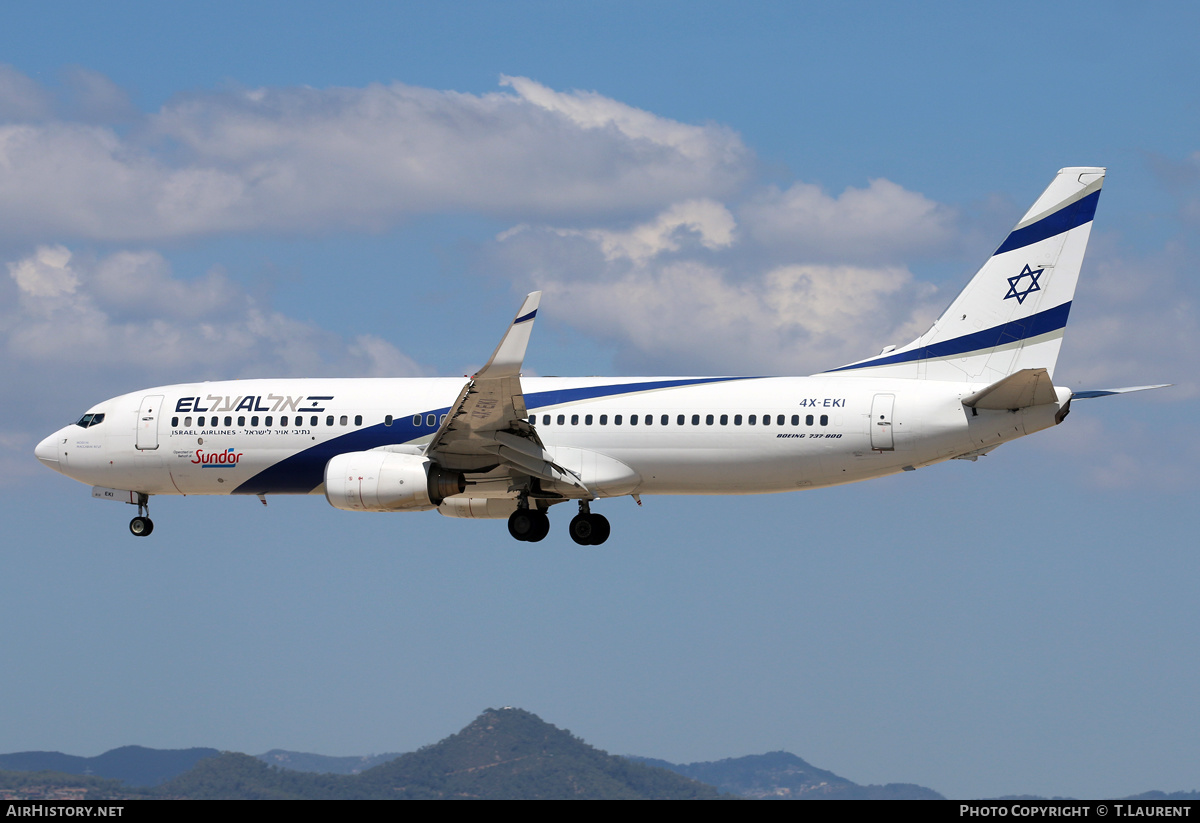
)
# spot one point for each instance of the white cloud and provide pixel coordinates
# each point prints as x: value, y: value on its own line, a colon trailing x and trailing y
x: 706, y: 220
x: 883, y: 222
x: 127, y: 311
x: 686, y: 315
x: 74, y: 330
x: 21, y: 98
x: 803, y: 282
x: 1135, y: 321
x: 380, y: 358
x: 299, y: 159
x: 706, y: 145
x: 71, y: 179
x: 47, y: 273
x: 682, y: 292
x: 709, y: 221
x: 96, y: 98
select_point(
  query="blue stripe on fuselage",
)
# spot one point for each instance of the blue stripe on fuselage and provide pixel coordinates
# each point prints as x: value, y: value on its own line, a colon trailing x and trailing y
x: 1036, y: 324
x: 305, y: 470
x: 555, y: 397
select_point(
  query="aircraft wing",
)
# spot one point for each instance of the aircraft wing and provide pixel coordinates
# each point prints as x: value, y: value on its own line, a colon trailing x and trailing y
x: 487, y: 427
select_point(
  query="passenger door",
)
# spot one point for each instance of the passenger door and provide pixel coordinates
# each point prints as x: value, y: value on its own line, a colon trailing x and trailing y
x: 147, y: 422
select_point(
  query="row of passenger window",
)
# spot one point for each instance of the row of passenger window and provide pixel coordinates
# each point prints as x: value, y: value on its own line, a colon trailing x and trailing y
x: 431, y: 420
x: 682, y: 420
x: 267, y: 422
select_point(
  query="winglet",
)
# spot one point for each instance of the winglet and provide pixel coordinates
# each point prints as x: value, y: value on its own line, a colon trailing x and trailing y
x: 510, y: 354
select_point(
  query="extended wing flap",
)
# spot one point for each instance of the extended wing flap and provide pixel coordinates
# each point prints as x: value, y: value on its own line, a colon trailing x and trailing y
x: 544, y: 469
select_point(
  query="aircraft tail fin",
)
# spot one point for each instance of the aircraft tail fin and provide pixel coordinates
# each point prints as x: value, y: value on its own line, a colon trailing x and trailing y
x: 1012, y: 314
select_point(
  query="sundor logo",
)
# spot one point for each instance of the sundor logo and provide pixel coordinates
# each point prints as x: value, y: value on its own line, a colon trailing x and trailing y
x: 215, y: 459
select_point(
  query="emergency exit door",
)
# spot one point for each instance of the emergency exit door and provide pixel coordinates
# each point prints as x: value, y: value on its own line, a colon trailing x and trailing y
x: 881, y: 422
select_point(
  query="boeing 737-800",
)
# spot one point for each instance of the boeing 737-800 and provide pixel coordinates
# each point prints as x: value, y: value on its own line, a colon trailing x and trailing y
x: 504, y: 446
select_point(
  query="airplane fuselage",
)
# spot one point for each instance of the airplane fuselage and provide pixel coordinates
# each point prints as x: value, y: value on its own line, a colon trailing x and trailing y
x: 622, y: 436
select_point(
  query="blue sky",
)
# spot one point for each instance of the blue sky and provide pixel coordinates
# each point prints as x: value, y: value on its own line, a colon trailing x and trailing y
x: 294, y: 190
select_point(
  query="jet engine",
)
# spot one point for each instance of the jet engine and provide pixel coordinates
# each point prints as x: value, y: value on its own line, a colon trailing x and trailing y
x: 378, y: 481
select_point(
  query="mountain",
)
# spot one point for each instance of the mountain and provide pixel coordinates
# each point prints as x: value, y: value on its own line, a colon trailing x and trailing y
x: 784, y: 776
x: 324, y: 764
x: 233, y: 776
x: 135, y: 765
x: 513, y: 754
x: 503, y: 754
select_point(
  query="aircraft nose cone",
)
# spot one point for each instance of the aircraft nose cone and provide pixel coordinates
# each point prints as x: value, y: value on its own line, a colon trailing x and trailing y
x: 47, y: 451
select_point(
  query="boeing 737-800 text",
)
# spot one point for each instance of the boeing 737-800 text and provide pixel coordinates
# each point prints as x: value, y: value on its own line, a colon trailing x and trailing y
x: 504, y: 446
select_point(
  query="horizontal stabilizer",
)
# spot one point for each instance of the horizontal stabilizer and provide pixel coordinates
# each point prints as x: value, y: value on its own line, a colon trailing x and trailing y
x: 1088, y: 395
x: 1020, y: 390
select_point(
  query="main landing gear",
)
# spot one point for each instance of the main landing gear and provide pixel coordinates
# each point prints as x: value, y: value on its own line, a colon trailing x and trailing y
x: 142, y: 525
x: 588, y: 529
x: 531, y: 525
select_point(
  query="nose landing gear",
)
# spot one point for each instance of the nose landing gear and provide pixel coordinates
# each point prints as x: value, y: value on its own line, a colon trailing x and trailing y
x: 142, y: 525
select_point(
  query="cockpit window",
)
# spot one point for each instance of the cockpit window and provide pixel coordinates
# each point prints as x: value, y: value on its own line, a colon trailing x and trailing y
x: 89, y: 420
x: 97, y: 419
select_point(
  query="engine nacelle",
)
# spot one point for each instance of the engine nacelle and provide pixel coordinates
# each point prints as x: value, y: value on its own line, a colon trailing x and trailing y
x: 378, y: 481
x: 478, y: 508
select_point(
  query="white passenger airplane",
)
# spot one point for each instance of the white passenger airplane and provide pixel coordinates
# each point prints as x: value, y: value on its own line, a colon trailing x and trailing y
x: 506, y: 447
